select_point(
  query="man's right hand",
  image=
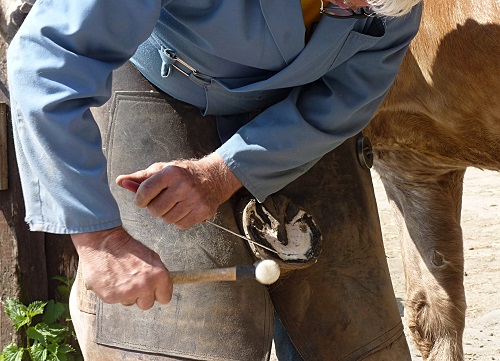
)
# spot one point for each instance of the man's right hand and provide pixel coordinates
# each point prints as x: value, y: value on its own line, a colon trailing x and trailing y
x: 120, y: 269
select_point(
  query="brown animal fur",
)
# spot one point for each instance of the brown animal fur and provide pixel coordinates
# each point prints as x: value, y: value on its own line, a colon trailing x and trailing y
x: 441, y: 116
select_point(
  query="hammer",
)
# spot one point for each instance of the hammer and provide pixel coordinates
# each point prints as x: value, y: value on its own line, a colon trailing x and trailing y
x: 266, y: 272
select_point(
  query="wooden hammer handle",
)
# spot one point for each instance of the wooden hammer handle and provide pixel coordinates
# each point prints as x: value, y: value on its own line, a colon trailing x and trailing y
x: 207, y: 275
x: 213, y: 274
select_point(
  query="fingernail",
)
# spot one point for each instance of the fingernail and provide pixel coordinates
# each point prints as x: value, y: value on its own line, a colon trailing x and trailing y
x: 130, y: 185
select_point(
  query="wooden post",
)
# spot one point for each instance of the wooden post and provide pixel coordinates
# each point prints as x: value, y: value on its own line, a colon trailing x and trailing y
x: 23, y: 269
x: 4, y: 164
x: 28, y: 260
x: 9, y: 282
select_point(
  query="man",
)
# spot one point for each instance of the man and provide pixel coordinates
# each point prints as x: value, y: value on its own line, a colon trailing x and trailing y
x: 287, y: 87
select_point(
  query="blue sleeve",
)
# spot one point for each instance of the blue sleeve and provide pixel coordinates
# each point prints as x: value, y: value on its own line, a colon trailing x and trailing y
x: 288, y: 138
x: 60, y: 65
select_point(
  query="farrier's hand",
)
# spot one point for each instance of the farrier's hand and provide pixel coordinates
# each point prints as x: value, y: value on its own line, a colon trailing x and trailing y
x: 182, y: 192
x: 120, y: 269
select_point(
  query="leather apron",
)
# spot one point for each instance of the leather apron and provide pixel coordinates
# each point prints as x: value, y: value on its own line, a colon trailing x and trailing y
x: 341, y: 308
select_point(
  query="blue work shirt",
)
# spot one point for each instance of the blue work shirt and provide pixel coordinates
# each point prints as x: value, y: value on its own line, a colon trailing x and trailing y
x: 248, y: 55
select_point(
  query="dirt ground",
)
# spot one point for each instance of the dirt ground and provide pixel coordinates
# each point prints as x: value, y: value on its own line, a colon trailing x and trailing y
x: 481, y: 231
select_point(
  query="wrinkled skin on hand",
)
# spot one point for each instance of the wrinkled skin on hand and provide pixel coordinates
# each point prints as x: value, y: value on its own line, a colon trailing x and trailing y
x: 120, y: 269
x: 182, y: 192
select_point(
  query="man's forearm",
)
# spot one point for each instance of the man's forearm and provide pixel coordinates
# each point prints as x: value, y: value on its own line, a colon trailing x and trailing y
x: 220, y: 175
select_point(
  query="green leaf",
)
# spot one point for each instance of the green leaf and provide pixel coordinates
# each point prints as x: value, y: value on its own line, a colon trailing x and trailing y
x: 62, y: 279
x: 38, y: 352
x: 63, y: 291
x: 34, y: 334
x: 66, y: 348
x: 48, y: 334
x: 12, y: 353
x: 60, y: 357
x: 53, y: 348
x: 64, y: 288
x: 60, y: 352
x: 56, y: 354
x: 66, y: 314
x: 67, y: 281
x: 36, y: 308
x: 17, y: 312
x: 53, y: 311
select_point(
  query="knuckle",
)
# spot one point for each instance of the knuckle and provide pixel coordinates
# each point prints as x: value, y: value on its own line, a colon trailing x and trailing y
x: 185, y: 223
x: 139, y: 200
x: 167, y: 219
x: 206, y: 211
x: 145, y: 307
x: 165, y: 299
x: 156, y: 258
x: 182, y: 227
x: 154, y: 211
x: 108, y: 297
x: 157, y: 166
x: 159, y: 273
x: 145, y: 303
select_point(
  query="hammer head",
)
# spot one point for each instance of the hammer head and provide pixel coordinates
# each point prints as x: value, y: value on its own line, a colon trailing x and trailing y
x: 266, y: 271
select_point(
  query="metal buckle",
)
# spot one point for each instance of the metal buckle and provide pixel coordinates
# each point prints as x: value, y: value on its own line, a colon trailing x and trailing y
x: 25, y: 7
x: 174, y: 56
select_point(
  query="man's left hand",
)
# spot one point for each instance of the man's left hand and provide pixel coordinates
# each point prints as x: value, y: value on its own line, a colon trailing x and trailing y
x: 182, y: 192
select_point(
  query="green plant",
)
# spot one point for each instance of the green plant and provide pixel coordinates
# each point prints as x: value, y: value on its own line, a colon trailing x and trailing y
x: 46, y: 326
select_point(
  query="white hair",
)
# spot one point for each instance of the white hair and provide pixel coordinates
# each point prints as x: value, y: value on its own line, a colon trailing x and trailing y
x: 392, y: 7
